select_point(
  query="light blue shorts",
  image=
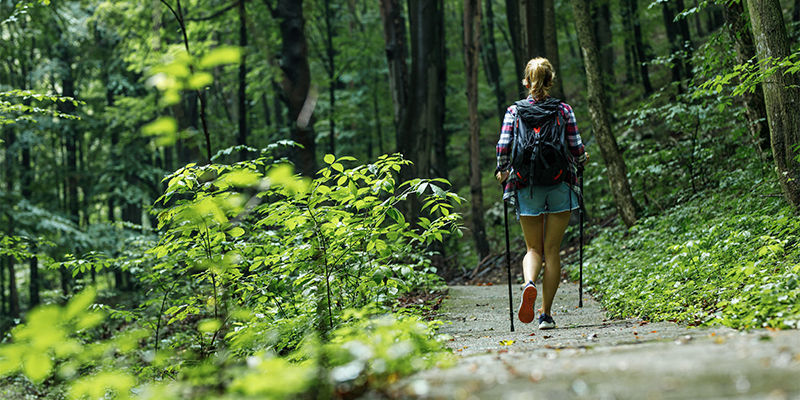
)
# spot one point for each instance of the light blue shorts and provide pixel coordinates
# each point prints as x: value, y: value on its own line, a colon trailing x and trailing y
x: 546, y: 199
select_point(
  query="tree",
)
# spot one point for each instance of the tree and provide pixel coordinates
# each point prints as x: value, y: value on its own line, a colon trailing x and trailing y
x: 679, y: 39
x: 781, y: 93
x: 472, y: 38
x: 297, y: 82
x: 518, y: 48
x: 551, y: 46
x: 491, y: 66
x: 242, y: 97
x: 615, y: 165
x: 635, y: 42
x: 426, y: 90
x: 394, y: 33
x: 739, y: 31
x: 601, y: 17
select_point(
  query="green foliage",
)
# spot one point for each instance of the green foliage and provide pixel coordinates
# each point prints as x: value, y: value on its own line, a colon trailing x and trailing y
x: 15, y: 106
x: 726, y: 256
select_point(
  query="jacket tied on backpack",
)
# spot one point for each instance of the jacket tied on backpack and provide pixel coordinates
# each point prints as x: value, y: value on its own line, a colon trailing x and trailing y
x: 539, y: 144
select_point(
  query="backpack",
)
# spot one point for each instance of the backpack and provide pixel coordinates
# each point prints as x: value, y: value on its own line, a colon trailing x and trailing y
x: 539, y: 152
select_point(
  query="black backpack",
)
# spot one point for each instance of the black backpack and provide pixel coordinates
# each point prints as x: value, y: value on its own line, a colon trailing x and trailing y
x: 539, y: 152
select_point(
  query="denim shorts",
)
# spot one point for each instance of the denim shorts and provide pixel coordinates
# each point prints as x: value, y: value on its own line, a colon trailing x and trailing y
x: 546, y: 199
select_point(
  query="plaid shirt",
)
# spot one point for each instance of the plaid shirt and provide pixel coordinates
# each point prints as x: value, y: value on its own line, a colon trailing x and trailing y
x: 574, y: 144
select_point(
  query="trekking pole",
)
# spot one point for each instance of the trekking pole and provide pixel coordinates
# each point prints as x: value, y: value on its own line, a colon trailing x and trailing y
x: 508, y: 266
x: 580, y: 262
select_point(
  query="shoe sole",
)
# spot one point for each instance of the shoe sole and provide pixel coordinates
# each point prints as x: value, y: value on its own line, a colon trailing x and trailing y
x: 546, y: 326
x: 525, y: 312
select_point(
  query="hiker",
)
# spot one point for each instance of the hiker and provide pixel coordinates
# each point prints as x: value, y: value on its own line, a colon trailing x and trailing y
x: 543, y: 210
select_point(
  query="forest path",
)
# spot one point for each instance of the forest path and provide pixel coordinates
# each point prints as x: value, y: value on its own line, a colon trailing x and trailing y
x: 589, y: 357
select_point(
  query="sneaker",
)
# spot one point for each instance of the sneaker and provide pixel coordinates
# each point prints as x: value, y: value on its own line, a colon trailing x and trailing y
x: 525, y: 313
x: 546, y: 322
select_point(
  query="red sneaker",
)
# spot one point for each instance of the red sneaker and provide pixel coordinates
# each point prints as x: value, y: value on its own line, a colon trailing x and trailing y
x: 525, y: 312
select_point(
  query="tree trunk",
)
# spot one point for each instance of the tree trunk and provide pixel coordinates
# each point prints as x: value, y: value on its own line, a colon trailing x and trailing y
x: 296, y: 84
x: 426, y: 104
x: 685, y: 38
x: 242, y: 137
x: 27, y: 178
x: 394, y: 33
x: 331, y: 60
x: 739, y: 31
x: 679, y: 40
x: 472, y: 33
x: 517, y: 40
x: 70, y: 134
x: 796, y: 12
x: 491, y: 66
x: 551, y: 46
x: 10, y: 165
x: 641, y: 55
x: 601, y: 16
x: 534, y: 29
x: 781, y: 93
x: 672, y: 36
x: 615, y: 165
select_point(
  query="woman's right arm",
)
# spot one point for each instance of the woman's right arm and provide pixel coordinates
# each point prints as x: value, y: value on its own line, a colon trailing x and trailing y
x: 504, y: 144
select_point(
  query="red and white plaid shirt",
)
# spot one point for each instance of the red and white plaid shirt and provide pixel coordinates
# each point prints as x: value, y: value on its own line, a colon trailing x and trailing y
x: 574, y: 144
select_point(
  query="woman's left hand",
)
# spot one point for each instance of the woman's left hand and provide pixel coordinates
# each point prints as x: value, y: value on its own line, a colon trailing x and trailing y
x: 501, y: 176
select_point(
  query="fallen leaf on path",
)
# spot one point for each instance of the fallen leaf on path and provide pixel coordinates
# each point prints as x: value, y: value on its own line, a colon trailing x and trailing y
x: 653, y: 331
x: 506, y: 342
x: 532, y: 334
x: 546, y: 337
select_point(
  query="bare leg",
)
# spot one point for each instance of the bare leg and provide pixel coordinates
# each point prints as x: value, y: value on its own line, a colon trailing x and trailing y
x: 533, y: 230
x: 554, y: 232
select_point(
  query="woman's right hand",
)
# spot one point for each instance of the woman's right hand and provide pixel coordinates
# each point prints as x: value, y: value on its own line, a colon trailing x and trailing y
x: 501, y: 176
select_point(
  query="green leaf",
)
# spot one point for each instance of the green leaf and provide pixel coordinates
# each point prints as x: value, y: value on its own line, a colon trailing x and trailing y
x: 236, y: 232
x: 221, y: 55
x: 329, y: 158
x: 37, y: 366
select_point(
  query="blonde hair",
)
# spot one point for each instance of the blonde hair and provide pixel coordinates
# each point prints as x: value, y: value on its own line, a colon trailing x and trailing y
x: 539, y: 77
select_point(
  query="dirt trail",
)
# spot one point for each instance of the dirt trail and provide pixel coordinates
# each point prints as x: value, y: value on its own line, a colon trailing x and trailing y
x: 589, y: 357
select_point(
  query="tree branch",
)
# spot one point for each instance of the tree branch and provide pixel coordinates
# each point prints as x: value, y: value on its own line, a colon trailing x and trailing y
x: 217, y: 13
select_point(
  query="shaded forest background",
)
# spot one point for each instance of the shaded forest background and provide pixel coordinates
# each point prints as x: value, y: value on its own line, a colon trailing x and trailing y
x: 116, y: 114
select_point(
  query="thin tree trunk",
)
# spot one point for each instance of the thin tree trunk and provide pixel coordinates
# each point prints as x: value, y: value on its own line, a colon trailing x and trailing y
x: 601, y: 16
x: 641, y: 55
x: 491, y: 66
x: 796, y: 12
x: 615, y: 165
x: 781, y: 93
x: 10, y: 165
x: 742, y: 36
x: 394, y: 33
x: 686, y: 38
x: 331, y: 55
x: 296, y: 83
x: 70, y: 134
x: 550, y: 29
x: 515, y: 32
x: 242, y: 137
x: 472, y: 33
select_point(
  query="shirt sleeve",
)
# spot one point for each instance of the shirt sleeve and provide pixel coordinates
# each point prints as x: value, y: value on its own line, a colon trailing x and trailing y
x: 506, y: 138
x: 574, y: 141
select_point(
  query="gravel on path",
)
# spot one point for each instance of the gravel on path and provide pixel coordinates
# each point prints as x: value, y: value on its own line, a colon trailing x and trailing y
x: 590, y: 357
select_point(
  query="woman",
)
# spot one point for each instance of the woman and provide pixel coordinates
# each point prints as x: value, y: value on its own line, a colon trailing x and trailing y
x: 543, y: 211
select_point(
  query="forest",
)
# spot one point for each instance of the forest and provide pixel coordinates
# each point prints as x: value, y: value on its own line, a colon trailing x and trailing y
x: 268, y: 198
